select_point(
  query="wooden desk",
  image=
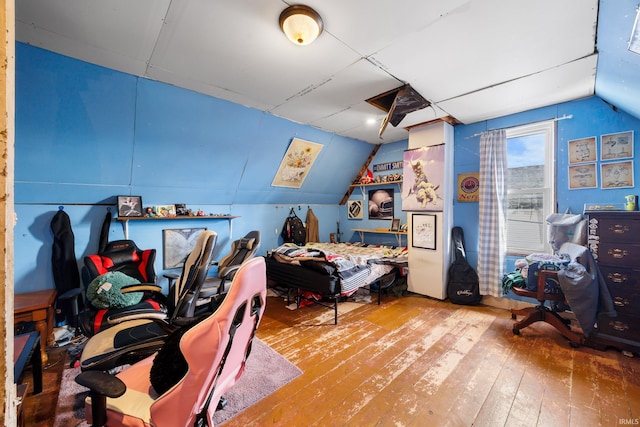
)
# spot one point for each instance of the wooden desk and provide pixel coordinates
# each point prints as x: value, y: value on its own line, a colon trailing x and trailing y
x: 26, y: 349
x: 37, y: 307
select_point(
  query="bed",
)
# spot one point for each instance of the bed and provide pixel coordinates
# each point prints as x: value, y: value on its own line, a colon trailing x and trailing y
x: 326, y: 272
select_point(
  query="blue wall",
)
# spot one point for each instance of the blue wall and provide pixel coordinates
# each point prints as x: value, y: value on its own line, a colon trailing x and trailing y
x: 85, y: 134
x: 590, y: 117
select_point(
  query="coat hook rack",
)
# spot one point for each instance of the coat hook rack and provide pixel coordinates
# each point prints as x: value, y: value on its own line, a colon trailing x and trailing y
x: 60, y: 208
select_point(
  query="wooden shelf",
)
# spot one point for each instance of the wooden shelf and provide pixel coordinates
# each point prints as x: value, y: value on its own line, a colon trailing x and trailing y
x: 158, y: 218
x: 398, y: 234
x: 376, y: 184
x: 125, y: 220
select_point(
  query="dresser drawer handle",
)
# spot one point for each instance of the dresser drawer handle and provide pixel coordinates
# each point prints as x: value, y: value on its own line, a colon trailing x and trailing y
x: 618, y: 253
x: 617, y: 277
x: 619, y: 326
x: 620, y: 302
x: 619, y: 228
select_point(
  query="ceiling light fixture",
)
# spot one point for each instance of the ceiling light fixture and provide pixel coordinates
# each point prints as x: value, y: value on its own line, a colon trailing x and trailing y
x: 634, y: 41
x: 301, y: 24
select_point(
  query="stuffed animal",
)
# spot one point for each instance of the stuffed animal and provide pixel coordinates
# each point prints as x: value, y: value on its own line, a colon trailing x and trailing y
x: 104, y: 291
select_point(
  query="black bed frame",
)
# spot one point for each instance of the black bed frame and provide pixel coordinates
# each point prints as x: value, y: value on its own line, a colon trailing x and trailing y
x: 295, y: 277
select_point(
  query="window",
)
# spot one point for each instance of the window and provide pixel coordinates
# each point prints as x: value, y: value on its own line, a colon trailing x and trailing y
x: 530, y: 186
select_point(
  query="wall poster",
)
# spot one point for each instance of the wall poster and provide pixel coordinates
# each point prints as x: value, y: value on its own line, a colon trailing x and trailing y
x: 423, y: 172
x: 296, y: 163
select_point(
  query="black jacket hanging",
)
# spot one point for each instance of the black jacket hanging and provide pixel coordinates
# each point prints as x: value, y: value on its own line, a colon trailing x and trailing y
x: 63, y: 262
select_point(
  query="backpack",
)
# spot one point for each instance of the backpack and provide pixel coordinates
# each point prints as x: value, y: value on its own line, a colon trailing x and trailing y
x: 463, y: 285
x: 293, y: 229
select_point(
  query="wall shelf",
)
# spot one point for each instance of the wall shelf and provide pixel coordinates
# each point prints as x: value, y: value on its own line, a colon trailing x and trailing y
x: 398, y: 234
x: 125, y: 220
x: 375, y: 184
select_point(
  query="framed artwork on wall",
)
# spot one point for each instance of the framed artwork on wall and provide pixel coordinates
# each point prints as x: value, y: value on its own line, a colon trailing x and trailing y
x: 354, y: 209
x: 423, y: 232
x: 177, y: 244
x: 296, y: 163
x: 616, y: 146
x: 616, y: 174
x: 583, y: 176
x: 582, y: 150
x: 423, y: 172
x: 381, y: 204
x: 130, y: 206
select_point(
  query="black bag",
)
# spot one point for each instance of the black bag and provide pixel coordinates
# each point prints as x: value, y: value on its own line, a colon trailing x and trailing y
x: 293, y: 230
x: 463, y: 286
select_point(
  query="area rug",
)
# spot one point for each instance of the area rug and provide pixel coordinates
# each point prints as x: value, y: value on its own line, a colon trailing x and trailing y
x: 266, y: 371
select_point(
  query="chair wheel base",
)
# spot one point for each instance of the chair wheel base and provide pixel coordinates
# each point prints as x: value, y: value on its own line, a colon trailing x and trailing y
x: 222, y: 403
x: 516, y: 331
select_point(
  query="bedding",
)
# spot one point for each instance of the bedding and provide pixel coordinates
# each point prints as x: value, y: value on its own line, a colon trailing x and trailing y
x: 333, y: 270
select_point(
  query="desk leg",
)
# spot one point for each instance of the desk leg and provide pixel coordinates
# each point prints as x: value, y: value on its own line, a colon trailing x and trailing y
x: 36, y: 365
x: 41, y: 327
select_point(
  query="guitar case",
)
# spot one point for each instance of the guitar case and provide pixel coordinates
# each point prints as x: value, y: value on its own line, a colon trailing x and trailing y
x: 462, y: 286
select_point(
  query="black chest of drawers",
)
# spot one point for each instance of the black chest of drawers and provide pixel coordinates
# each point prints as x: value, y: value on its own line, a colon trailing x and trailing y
x: 614, y: 241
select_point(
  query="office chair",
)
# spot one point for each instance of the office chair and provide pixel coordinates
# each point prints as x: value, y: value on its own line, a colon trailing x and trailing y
x: 241, y: 250
x: 132, y: 340
x: 131, y: 399
x: 123, y: 256
x: 547, y: 290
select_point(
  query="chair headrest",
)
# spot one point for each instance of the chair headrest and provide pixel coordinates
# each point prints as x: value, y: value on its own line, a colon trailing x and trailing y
x: 246, y: 243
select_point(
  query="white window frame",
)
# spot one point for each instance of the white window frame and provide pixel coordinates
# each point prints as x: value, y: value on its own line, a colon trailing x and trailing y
x: 548, y: 128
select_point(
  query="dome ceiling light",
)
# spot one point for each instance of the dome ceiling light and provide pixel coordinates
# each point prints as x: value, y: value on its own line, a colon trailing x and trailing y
x: 301, y: 24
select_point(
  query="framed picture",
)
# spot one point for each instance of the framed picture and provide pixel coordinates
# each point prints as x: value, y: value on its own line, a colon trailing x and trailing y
x: 583, y: 176
x: 354, y: 209
x: 423, y: 172
x: 129, y: 206
x: 616, y: 174
x: 296, y: 163
x: 423, y: 233
x: 469, y: 187
x: 177, y: 245
x: 381, y: 204
x: 395, y: 224
x: 166, y: 211
x: 616, y: 146
x: 582, y: 150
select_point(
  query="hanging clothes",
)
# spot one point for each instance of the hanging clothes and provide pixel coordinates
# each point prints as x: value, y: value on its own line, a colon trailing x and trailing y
x: 312, y: 227
x: 64, y: 265
x: 104, y: 232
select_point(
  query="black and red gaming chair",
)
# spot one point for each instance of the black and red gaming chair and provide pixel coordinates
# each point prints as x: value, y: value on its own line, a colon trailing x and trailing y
x: 123, y: 256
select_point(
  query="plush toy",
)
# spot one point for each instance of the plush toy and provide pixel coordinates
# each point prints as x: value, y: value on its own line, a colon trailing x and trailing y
x: 104, y: 291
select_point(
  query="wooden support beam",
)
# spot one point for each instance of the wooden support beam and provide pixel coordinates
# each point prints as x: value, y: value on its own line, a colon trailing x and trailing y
x: 356, y: 181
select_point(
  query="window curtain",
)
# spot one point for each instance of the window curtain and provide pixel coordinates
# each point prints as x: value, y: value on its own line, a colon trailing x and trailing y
x: 492, y: 240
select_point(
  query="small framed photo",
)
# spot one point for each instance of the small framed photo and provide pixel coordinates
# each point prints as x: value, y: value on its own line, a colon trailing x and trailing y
x: 582, y: 150
x: 616, y: 146
x: 354, y: 209
x: 129, y: 206
x: 395, y: 224
x: 166, y: 211
x: 423, y: 233
x: 616, y: 174
x: 583, y: 176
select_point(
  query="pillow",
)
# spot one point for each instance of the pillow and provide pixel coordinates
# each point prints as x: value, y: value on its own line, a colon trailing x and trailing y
x: 169, y: 366
x: 104, y: 291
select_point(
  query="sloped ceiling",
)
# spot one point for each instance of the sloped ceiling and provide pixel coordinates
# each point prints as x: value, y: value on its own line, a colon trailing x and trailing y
x: 473, y: 60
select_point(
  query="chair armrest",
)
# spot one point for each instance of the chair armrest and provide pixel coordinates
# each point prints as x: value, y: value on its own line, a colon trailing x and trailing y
x: 101, y: 386
x: 227, y: 272
x: 71, y: 293
x: 102, y: 383
x: 141, y: 287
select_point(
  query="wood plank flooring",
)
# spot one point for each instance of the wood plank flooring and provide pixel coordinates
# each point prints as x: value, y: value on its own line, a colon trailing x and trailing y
x: 415, y: 361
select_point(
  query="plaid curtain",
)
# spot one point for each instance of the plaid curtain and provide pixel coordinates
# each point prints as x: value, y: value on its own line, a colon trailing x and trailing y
x: 493, y: 211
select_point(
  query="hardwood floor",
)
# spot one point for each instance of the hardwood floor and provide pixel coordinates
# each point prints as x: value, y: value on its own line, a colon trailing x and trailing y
x: 414, y: 361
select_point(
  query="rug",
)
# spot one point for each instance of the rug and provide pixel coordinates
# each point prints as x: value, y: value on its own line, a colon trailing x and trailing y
x: 265, y: 372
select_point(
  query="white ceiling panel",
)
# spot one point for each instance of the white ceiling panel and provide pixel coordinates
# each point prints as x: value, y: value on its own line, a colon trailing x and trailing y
x: 559, y: 84
x: 473, y: 59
